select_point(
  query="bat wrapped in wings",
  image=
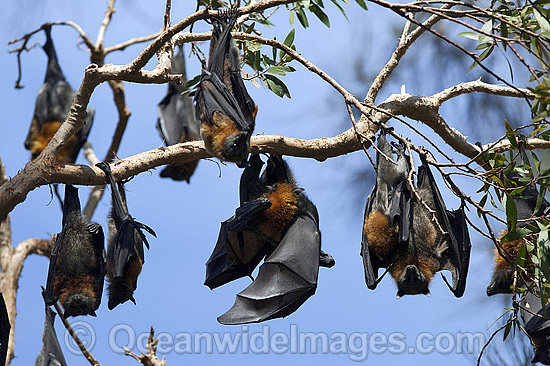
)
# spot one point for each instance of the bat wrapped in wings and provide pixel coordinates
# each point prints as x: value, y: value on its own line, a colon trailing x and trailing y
x: 276, y: 221
x: 52, y: 106
x: 529, y: 205
x: 176, y: 120
x: 4, y: 330
x: 412, y: 236
x: 125, y: 255
x: 77, y: 262
x: 536, y: 322
x: 226, y: 112
x: 50, y: 354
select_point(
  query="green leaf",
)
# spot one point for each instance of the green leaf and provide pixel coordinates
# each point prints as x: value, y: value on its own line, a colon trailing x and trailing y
x: 520, y: 257
x: 289, y: 39
x: 276, y: 86
x: 320, y: 14
x: 291, y: 18
x: 507, y: 329
x: 487, y: 28
x: 362, y: 4
x: 255, y: 47
x: 543, y: 22
x: 278, y: 70
x: 511, y: 211
x: 302, y: 18
x: 193, y: 81
x: 510, y: 134
x: 340, y: 8
x: 517, y: 234
x: 470, y: 35
x: 482, y: 57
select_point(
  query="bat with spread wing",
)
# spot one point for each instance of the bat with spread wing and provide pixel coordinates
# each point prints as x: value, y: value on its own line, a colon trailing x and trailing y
x: 537, y: 325
x: 276, y: 221
x: 125, y: 255
x: 52, y: 106
x: 77, y: 262
x: 223, y: 106
x: 412, y: 236
x: 526, y: 206
x: 4, y: 330
x: 50, y: 354
x: 176, y: 120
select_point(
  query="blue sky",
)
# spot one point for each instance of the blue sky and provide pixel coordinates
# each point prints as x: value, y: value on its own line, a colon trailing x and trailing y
x: 171, y: 296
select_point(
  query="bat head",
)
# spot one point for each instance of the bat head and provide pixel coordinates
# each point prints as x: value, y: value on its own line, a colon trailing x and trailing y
x: 119, y: 293
x: 542, y: 350
x: 501, y: 282
x: 412, y: 282
x: 80, y: 303
x: 235, y: 148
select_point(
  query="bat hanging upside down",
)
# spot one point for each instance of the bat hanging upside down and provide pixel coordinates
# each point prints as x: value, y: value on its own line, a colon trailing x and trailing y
x: 412, y: 238
x: 52, y: 106
x: 77, y: 263
x: 177, y: 122
x: 526, y: 206
x: 226, y: 112
x: 125, y: 256
x: 276, y: 221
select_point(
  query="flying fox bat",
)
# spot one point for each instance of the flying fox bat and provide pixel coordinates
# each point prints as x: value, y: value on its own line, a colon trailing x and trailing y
x: 77, y: 262
x: 276, y: 221
x: 50, y: 354
x: 226, y: 112
x: 526, y: 206
x: 4, y: 330
x: 125, y: 256
x: 52, y: 106
x: 537, y: 326
x: 177, y: 122
x: 402, y: 234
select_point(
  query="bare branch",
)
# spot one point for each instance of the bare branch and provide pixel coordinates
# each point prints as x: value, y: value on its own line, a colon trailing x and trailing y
x: 106, y: 21
x: 73, y: 334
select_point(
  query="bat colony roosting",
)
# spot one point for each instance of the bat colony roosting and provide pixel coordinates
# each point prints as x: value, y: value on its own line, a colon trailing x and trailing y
x: 407, y: 229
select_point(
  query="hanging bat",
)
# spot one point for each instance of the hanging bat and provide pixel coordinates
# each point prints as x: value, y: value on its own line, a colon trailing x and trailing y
x: 177, y: 122
x: 4, y: 330
x: 277, y: 221
x: 537, y: 326
x: 77, y: 262
x: 412, y: 238
x: 52, y: 106
x: 226, y: 112
x: 125, y: 256
x: 526, y: 206
x: 50, y: 354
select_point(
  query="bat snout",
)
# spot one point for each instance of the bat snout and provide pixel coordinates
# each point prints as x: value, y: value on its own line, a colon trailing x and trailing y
x: 236, y: 148
x: 78, y: 304
x: 412, y: 282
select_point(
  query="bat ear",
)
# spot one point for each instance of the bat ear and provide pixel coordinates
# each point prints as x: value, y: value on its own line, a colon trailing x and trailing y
x: 93, y: 313
x: 399, y: 295
x: 428, y: 293
x: 297, y: 191
x: 132, y: 299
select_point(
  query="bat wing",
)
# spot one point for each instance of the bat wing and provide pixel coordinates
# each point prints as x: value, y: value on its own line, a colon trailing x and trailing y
x: 51, y: 354
x: 98, y: 240
x: 236, y: 255
x: 49, y: 296
x: 456, y: 256
x: 4, y: 330
x: 170, y: 120
x: 213, y: 95
x: 286, y: 279
x: 371, y: 263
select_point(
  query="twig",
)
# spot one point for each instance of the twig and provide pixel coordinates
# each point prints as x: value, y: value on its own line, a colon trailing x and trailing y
x: 73, y: 334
